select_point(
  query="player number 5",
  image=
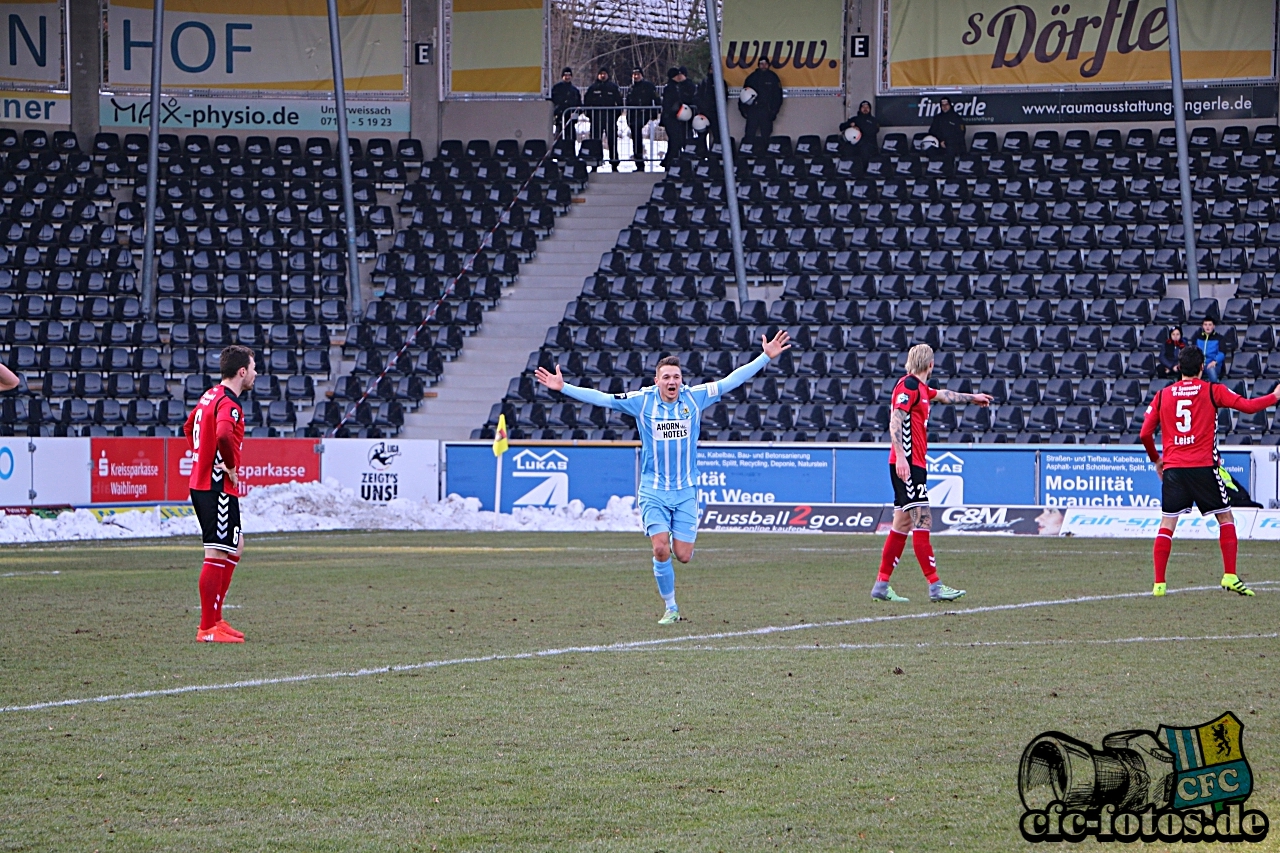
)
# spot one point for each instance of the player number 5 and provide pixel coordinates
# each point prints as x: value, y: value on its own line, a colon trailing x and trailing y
x: 1183, y: 415
x: 195, y: 431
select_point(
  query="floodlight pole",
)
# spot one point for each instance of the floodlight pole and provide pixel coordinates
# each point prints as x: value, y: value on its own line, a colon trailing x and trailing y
x: 153, y: 163
x: 726, y: 154
x: 344, y: 158
x: 1184, y: 164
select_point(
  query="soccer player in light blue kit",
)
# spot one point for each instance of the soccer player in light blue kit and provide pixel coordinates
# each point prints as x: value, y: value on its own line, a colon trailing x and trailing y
x: 668, y: 416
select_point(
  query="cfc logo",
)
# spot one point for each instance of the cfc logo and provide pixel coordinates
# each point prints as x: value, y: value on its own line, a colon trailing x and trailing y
x: 1173, y: 784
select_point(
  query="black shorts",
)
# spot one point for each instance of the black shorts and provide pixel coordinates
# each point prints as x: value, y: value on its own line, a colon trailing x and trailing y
x: 913, y: 494
x: 219, y: 516
x: 1202, y: 487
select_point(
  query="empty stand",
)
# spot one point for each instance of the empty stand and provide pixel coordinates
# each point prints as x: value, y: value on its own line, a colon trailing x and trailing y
x: 251, y: 249
x: 1033, y: 267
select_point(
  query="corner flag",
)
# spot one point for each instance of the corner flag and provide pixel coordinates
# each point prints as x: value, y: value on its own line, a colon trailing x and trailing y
x: 500, y: 437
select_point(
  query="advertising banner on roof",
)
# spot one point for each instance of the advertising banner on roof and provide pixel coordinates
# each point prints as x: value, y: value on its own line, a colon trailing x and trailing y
x: 966, y: 43
x: 242, y: 46
x: 31, y: 47
x: 802, y: 39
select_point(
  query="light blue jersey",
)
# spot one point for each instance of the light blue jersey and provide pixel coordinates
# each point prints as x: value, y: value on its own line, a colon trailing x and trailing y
x: 669, y: 431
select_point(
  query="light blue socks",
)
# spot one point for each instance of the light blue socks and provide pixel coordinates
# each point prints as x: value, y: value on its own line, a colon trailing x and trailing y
x: 665, y: 575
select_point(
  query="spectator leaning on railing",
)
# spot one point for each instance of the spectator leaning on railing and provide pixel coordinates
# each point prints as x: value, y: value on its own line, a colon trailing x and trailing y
x: 641, y: 94
x: 564, y: 97
x: 604, y: 122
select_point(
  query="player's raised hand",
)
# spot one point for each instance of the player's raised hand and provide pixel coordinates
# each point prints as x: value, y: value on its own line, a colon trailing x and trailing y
x: 554, y: 381
x: 1276, y: 390
x: 780, y: 343
x: 983, y: 399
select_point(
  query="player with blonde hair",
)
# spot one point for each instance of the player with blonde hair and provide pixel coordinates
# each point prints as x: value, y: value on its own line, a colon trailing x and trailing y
x: 908, y: 437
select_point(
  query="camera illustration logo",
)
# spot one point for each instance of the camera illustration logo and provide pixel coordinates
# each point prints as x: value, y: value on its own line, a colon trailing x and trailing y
x: 1173, y: 784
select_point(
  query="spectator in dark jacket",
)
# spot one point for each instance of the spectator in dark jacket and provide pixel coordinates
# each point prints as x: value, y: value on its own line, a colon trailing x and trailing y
x: 760, y: 114
x: 564, y: 97
x: 948, y: 129
x: 1173, y: 346
x: 1210, y: 342
x: 678, y: 92
x: 604, y: 122
x: 869, y: 126
x: 707, y: 104
x: 641, y: 94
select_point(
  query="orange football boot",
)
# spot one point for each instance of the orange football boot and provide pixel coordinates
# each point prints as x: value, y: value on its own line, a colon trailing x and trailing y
x: 216, y: 634
x: 224, y: 625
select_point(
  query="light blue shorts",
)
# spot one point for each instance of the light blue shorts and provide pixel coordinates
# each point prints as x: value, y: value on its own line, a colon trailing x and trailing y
x: 674, y: 512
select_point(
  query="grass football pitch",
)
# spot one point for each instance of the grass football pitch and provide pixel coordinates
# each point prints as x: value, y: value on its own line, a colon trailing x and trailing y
x: 900, y: 729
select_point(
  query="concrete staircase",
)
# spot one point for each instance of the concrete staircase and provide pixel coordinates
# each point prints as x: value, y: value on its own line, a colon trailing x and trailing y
x: 478, y: 378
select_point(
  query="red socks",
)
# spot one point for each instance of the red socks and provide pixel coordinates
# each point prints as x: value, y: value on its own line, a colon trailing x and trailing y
x: 1164, y: 544
x: 211, y: 592
x: 893, y: 546
x: 924, y: 554
x: 1227, y: 542
x: 232, y: 560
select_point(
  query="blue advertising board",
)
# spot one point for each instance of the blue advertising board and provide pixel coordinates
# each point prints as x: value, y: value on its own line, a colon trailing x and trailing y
x: 764, y: 475
x: 1111, y: 478
x: 957, y: 476
x: 542, y: 476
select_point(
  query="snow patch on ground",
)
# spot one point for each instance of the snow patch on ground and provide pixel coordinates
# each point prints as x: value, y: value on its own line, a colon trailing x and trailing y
x: 326, y: 506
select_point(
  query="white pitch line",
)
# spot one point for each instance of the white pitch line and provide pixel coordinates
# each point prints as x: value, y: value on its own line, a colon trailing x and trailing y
x: 27, y: 574
x: 976, y: 644
x: 567, y: 650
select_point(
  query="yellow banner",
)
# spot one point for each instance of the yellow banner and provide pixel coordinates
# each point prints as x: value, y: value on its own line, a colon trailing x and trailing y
x: 955, y: 43
x: 802, y: 40
x: 495, y: 47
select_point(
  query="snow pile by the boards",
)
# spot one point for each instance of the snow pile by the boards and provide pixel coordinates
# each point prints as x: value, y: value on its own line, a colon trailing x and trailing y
x: 325, y: 506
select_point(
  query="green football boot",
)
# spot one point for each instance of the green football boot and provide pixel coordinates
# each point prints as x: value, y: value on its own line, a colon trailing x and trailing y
x: 1234, y: 584
x: 939, y: 591
x: 883, y: 592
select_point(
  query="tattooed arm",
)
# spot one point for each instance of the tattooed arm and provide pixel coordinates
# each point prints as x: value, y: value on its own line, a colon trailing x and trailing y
x: 956, y: 398
x: 898, y: 422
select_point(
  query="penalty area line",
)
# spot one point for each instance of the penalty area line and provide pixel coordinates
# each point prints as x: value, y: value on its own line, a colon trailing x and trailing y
x: 633, y: 645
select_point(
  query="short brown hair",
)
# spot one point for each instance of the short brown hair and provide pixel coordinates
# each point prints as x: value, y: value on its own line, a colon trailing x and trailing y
x: 667, y: 361
x: 233, y: 359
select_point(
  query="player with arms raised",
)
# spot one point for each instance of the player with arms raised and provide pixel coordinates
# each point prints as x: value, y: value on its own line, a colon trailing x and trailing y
x: 215, y: 435
x: 1186, y: 413
x: 669, y: 416
x: 908, y: 437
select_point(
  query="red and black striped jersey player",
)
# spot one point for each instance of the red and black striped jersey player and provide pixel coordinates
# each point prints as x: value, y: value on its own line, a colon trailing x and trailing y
x: 215, y: 435
x: 1186, y: 413
x: 908, y: 437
